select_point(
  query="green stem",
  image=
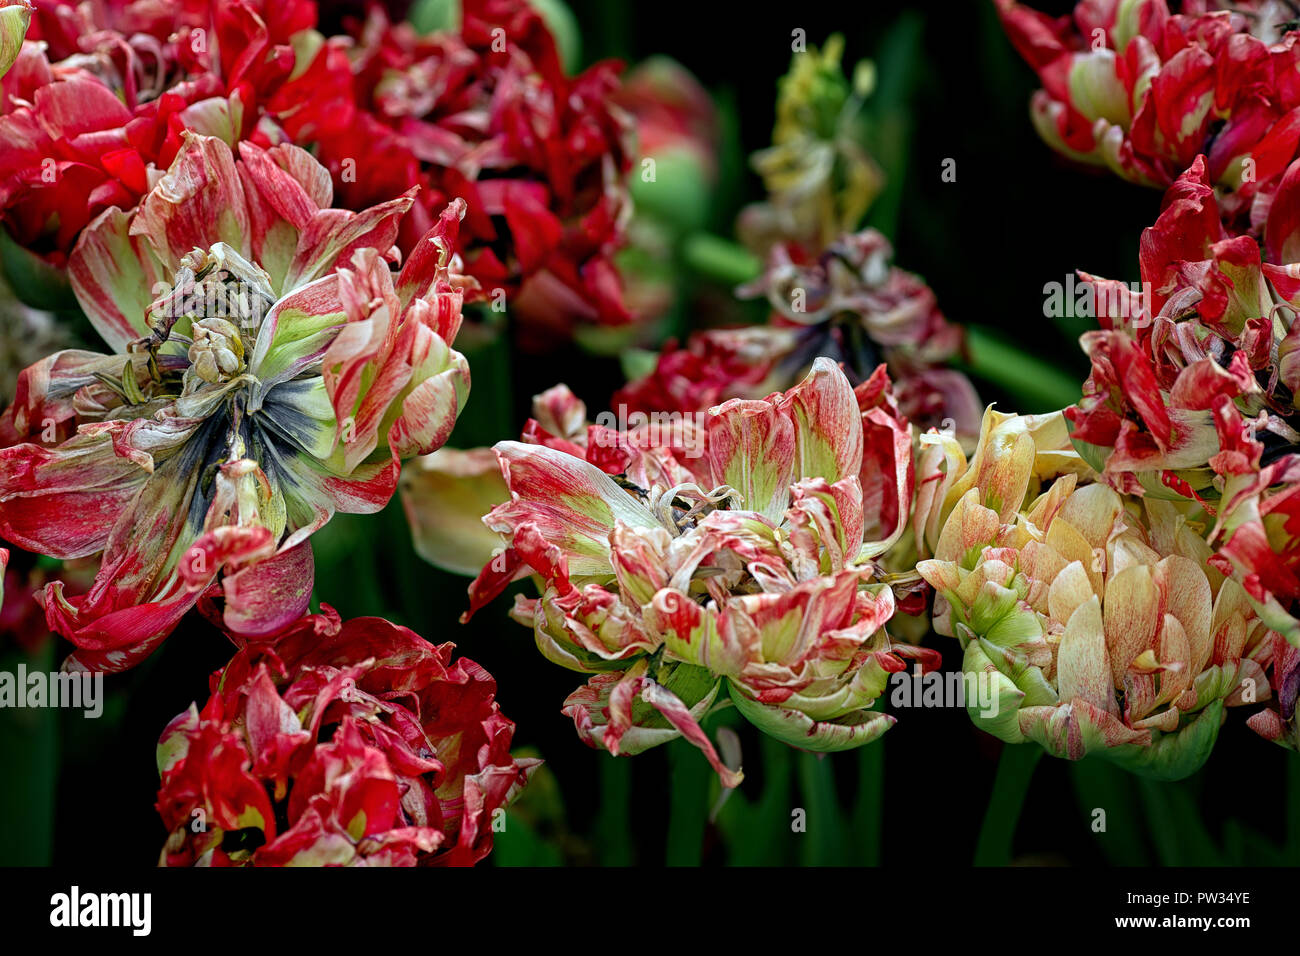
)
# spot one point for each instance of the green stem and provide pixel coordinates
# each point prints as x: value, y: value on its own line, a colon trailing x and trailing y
x: 29, y: 754
x: 824, y: 843
x: 869, y: 809
x: 720, y: 259
x: 1010, y: 785
x: 614, y: 826
x: 1100, y: 785
x: 688, y: 809
x: 1041, y: 385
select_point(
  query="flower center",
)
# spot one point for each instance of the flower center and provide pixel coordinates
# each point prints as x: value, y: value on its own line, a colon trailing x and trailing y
x: 217, y: 354
x: 224, y: 298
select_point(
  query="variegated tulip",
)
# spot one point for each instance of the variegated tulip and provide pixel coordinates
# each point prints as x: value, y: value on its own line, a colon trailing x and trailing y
x: 1099, y: 619
x: 1258, y: 531
x: 445, y: 496
x: 747, y: 569
x: 1194, y: 383
x: 1142, y: 86
x: 268, y: 370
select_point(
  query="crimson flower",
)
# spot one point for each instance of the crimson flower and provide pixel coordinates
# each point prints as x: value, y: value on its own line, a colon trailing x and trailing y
x: 487, y: 115
x: 1142, y: 90
x: 335, y: 743
x: 1194, y: 384
x: 1205, y: 358
x: 96, y: 104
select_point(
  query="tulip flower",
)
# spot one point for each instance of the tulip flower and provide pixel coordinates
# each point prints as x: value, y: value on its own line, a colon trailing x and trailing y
x: 710, y: 367
x: 268, y: 369
x: 1194, y: 380
x: 1277, y: 722
x: 1134, y: 88
x: 674, y: 172
x: 1100, y: 621
x: 1204, y: 357
x: 97, y: 100
x: 851, y: 304
x: 732, y: 557
x: 22, y: 621
x: 487, y: 114
x: 819, y: 178
x: 446, y: 494
x: 337, y: 743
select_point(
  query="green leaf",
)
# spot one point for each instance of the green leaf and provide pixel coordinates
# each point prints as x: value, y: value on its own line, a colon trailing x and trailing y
x: 34, y: 281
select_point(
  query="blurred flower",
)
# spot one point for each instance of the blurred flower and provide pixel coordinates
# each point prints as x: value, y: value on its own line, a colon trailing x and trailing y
x: 268, y: 370
x: 735, y: 552
x: 100, y: 94
x: 1100, y: 621
x: 445, y: 496
x: 26, y: 335
x: 1133, y: 88
x: 672, y: 112
x: 819, y: 178
x: 849, y: 304
x: 339, y: 744
x: 673, y: 176
x: 22, y: 622
x: 487, y: 114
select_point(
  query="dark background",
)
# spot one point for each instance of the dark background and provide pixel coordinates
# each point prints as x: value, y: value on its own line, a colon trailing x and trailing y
x: 1015, y: 218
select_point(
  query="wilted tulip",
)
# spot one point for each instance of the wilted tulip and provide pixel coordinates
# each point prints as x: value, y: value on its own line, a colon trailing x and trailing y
x: 269, y: 370
x: 851, y: 304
